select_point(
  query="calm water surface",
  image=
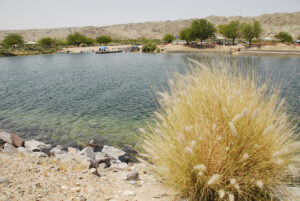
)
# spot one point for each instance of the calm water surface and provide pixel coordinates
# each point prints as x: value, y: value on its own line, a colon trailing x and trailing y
x: 68, y: 99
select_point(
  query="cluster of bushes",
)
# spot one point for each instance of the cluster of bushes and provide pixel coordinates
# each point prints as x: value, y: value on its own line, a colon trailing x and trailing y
x: 149, y: 47
x: 77, y: 39
x: 139, y: 41
x: 203, y: 30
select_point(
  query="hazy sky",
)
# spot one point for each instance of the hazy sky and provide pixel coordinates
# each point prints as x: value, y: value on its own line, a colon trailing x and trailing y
x: 25, y: 14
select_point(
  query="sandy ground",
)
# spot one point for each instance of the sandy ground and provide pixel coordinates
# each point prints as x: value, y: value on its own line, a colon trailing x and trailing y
x: 171, y: 48
x: 30, y: 178
x: 279, y: 49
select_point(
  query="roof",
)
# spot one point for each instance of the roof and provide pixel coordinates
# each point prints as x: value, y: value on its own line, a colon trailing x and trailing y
x: 31, y: 43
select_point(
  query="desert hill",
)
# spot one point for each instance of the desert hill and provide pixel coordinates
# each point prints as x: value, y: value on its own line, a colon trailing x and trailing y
x: 271, y: 23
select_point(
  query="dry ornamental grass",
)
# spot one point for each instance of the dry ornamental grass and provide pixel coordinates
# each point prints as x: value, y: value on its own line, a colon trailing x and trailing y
x: 220, y: 134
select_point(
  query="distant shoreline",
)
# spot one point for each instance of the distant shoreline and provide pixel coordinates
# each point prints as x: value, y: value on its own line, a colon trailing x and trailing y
x: 169, y: 49
x: 243, y: 52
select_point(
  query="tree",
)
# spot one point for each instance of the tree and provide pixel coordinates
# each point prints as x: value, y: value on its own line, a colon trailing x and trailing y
x: 185, y: 34
x: 202, y: 29
x: 47, y: 42
x: 12, y: 39
x: 59, y: 42
x: 284, y: 37
x: 169, y: 38
x: 298, y: 37
x: 149, y: 47
x: 231, y: 30
x: 250, y: 31
x: 103, y: 40
x: 78, y: 38
x: 89, y: 41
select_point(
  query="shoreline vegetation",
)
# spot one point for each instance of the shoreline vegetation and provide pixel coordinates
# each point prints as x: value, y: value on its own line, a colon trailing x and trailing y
x: 267, y: 50
x: 202, y: 36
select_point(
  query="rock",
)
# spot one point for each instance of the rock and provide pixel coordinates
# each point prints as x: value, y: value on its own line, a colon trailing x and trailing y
x: 2, y: 143
x: 93, y: 163
x: 6, y: 137
x: 24, y: 151
x: 57, y: 150
x: 17, y: 141
x: 133, y: 176
x: 39, y: 154
x: 3, y: 180
x: 119, y: 166
x: 128, y: 193
x: 92, y: 144
x: 75, y: 157
x: 72, y: 150
x: 102, y: 158
x: 94, y: 171
x: 88, y: 152
x: 62, y: 157
x: 37, y: 146
x: 10, y: 149
x: 112, y: 152
x: 99, y: 156
x: 126, y: 158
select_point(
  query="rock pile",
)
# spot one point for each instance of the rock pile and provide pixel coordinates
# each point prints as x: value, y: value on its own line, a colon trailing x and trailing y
x: 109, y: 157
x: 33, y: 170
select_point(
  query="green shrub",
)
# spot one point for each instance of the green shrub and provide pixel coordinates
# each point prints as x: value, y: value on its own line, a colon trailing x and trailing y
x: 169, y: 38
x: 78, y: 38
x: 12, y: 39
x: 284, y: 37
x: 104, y: 39
x: 219, y: 135
x: 149, y: 47
x: 82, y: 45
x: 46, y: 42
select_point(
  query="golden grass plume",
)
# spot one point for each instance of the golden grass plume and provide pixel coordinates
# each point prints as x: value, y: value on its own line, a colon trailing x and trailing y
x: 220, y: 134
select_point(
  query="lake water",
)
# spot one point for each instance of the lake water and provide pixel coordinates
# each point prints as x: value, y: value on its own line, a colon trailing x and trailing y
x: 69, y: 99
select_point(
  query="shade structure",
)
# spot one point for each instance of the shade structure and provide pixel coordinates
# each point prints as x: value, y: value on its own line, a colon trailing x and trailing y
x: 31, y: 43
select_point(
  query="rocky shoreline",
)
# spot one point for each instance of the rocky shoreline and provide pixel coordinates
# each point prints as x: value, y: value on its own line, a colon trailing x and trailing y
x: 33, y: 170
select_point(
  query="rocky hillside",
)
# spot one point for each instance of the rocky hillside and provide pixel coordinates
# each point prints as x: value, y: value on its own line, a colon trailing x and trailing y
x: 271, y: 23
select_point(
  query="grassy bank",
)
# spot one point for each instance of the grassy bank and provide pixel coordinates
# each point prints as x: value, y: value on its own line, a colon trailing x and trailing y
x: 27, y: 51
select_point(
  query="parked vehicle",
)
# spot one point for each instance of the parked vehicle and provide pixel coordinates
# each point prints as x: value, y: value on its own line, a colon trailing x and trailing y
x: 132, y: 49
x: 179, y: 42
